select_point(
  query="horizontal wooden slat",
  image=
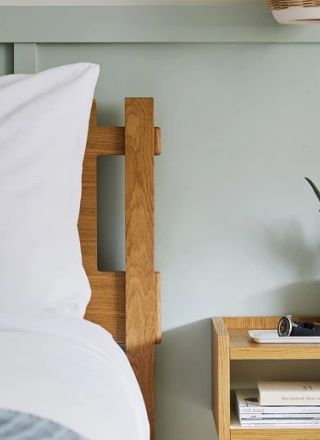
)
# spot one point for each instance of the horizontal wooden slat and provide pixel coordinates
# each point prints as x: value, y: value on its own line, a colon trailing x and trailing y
x: 251, y: 322
x: 109, y: 141
x: 106, y: 140
x: 259, y: 322
x: 107, y: 305
x: 243, y: 348
x: 276, y: 434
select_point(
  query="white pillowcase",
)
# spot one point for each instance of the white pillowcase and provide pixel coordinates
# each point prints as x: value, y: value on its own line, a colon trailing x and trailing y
x: 43, y: 130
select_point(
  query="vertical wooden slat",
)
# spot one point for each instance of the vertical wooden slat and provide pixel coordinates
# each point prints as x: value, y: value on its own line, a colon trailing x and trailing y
x: 221, y: 378
x: 107, y: 304
x: 88, y: 211
x: 141, y: 285
x: 127, y: 304
x: 158, y: 308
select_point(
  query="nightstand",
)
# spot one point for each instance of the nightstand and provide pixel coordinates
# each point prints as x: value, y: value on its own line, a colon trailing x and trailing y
x: 230, y: 342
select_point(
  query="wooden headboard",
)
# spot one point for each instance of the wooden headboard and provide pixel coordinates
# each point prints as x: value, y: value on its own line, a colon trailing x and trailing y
x: 126, y: 303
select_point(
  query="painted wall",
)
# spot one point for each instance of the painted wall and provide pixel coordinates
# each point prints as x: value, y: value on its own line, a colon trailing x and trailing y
x: 6, y: 59
x: 237, y: 227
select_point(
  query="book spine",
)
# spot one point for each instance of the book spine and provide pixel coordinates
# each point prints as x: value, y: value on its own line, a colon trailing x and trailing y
x: 289, y: 398
x: 280, y: 416
x: 280, y: 410
x: 282, y: 422
x: 277, y: 425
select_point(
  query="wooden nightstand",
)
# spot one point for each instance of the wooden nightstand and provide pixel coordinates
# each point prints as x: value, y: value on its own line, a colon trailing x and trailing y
x: 230, y: 342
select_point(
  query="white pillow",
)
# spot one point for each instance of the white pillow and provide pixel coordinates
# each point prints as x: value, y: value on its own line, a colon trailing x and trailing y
x: 43, y: 130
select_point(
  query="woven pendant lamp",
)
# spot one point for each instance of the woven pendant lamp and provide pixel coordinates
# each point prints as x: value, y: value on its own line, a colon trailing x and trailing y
x: 295, y: 11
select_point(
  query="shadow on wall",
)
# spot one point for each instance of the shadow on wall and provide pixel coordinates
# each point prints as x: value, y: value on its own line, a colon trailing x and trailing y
x: 184, y: 383
x: 287, y: 243
x: 291, y: 252
x: 184, y: 357
x: 184, y: 366
x: 300, y: 298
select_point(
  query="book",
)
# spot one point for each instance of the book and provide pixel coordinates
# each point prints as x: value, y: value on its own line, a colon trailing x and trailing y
x: 247, y: 402
x: 279, y: 417
x: 289, y: 393
x: 284, y: 423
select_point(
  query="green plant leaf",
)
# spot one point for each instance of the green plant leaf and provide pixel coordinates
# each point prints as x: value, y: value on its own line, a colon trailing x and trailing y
x: 314, y: 187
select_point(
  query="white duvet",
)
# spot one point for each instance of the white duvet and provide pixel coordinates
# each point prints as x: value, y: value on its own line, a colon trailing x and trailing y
x: 72, y: 372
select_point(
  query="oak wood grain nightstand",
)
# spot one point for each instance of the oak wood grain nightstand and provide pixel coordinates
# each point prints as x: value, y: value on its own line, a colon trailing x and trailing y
x: 230, y: 342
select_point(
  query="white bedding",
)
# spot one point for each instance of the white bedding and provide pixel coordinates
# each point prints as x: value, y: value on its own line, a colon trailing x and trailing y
x: 44, y: 121
x: 72, y: 372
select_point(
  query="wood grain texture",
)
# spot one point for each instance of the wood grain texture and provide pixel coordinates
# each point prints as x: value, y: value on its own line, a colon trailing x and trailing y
x: 242, y: 348
x: 231, y: 342
x: 221, y: 378
x: 275, y: 434
x: 158, y: 308
x: 110, y: 140
x: 258, y: 322
x: 107, y: 304
x: 251, y: 322
x: 141, y: 281
x: 284, y: 4
x: 127, y: 304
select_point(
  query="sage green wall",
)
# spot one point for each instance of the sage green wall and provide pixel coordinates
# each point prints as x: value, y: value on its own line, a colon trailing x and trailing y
x: 237, y: 227
x: 6, y: 59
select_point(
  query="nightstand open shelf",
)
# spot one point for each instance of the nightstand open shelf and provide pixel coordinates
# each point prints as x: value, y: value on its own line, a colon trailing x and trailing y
x: 230, y: 342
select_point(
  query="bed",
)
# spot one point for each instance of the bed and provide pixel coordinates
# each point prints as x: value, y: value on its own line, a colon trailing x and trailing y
x: 53, y: 377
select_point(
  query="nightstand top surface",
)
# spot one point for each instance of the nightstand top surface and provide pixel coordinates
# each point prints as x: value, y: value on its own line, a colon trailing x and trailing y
x: 241, y: 347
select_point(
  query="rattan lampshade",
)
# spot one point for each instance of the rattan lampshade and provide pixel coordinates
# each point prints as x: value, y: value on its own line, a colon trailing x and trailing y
x: 295, y: 11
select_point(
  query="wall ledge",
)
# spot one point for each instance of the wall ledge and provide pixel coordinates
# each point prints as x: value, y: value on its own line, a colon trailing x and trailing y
x: 227, y: 23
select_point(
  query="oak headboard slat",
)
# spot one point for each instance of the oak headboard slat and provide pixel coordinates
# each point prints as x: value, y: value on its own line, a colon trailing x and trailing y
x: 109, y: 141
x: 127, y: 304
x: 141, y: 288
x: 109, y: 310
x: 107, y: 305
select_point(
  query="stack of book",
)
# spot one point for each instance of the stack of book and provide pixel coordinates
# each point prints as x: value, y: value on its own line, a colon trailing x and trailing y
x: 279, y: 404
